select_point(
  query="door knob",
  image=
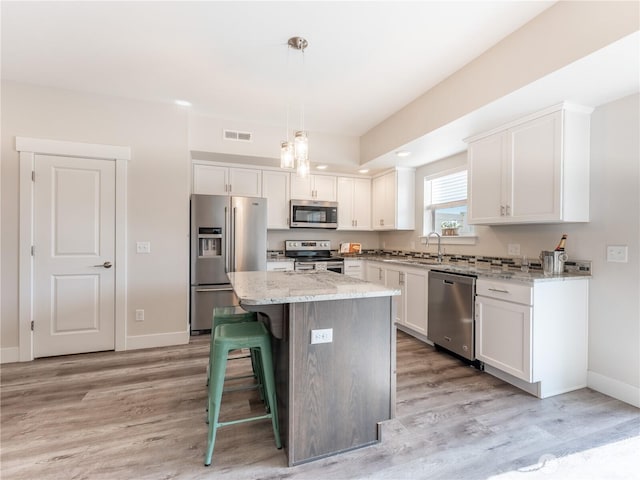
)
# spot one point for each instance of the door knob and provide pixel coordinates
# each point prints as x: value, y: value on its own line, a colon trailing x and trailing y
x: 104, y: 265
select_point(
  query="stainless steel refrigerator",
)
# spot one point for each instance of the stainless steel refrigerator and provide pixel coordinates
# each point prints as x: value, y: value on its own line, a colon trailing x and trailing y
x: 228, y: 234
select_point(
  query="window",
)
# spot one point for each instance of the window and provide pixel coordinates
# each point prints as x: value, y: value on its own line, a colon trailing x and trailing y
x: 445, y: 204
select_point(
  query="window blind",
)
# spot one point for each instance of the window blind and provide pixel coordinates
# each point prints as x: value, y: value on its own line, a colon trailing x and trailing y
x: 449, y: 188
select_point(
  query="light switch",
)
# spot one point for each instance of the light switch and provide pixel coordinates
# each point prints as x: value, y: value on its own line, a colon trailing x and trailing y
x: 617, y: 253
x: 143, y: 247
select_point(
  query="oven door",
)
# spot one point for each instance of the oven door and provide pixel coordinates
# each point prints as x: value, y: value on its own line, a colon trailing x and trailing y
x: 337, y: 266
x: 311, y: 214
x: 304, y: 266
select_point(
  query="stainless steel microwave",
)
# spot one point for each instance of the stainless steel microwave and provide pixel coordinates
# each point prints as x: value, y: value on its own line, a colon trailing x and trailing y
x: 313, y: 214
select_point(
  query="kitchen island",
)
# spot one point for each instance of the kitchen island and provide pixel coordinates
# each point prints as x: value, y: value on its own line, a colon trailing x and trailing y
x: 332, y: 395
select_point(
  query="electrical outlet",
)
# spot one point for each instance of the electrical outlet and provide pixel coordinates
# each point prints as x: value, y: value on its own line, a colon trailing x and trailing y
x: 617, y: 253
x: 143, y: 247
x: 324, y: 335
x: 513, y: 249
x: 140, y: 315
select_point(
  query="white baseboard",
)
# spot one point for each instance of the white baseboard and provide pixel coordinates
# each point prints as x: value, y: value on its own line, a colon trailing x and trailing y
x: 9, y: 354
x: 614, y: 388
x: 136, y: 342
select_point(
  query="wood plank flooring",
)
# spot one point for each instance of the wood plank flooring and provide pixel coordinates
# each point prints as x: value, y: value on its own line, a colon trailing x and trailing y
x: 140, y: 415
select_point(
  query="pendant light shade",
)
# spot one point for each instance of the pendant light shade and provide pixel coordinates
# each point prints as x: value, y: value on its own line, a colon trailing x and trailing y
x: 296, y: 153
x: 287, y: 159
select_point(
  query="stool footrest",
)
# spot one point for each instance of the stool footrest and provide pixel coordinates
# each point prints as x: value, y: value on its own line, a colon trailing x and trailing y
x: 244, y: 420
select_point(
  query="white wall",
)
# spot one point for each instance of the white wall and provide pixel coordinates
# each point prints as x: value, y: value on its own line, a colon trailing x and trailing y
x: 157, y: 203
x: 558, y: 36
x: 614, y: 308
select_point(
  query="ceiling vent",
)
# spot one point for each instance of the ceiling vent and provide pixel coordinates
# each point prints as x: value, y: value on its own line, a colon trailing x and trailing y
x: 236, y: 136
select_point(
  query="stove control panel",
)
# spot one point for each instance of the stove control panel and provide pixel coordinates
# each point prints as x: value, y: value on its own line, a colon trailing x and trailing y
x: 307, y: 245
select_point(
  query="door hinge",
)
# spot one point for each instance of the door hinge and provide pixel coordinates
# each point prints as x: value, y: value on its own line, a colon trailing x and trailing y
x: 33, y: 175
x: 33, y: 250
x: 32, y: 325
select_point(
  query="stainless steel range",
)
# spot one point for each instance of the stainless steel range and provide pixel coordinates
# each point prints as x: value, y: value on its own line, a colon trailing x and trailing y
x: 313, y: 255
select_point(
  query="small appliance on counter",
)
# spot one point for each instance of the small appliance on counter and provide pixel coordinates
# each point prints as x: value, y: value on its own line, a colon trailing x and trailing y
x: 228, y: 234
x: 313, y: 255
x: 350, y: 247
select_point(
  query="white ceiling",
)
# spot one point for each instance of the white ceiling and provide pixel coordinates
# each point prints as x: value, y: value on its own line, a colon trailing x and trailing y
x: 365, y: 61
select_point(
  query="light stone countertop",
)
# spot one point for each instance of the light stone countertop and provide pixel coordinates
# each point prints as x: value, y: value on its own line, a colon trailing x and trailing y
x: 268, y: 288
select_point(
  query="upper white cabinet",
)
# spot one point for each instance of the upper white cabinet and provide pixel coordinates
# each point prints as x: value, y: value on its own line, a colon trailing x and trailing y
x: 535, y: 170
x: 220, y: 180
x: 314, y: 187
x: 393, y: 200
x: 275, y: 188
x: 354, y: 203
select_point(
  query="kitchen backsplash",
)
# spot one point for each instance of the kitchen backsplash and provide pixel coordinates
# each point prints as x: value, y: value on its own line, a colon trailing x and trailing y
x: 574, y: 266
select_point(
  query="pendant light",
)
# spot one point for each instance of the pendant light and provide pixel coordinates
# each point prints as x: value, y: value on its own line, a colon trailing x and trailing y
x: 296, y: 153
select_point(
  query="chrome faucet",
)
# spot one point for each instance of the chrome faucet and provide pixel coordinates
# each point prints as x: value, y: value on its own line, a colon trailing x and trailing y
x: 437, y: 235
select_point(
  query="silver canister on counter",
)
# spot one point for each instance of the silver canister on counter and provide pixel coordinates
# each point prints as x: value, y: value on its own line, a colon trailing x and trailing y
x: 552, y: 262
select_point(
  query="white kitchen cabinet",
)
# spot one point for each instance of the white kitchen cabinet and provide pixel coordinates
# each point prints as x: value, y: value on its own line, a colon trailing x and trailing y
x: 354, y: 268
x: 314, y: 187
x: 354, y: 203
x: 275, y: 188
x: 220, y: 180
x: 411, y: 305
x: 534, y: 336
x: 534, y: 170
x: 280, y: 266
x: 416, y: 283
x: 393, y: 200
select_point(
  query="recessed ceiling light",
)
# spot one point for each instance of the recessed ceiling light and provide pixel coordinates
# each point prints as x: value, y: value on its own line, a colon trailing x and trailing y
x: 321, y: 167
x: 182, y: 103
x: 364, y: 170
x: 403, y: 153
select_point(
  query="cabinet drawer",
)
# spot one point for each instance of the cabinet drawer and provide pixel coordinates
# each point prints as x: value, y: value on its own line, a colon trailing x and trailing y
x: 509, y: 291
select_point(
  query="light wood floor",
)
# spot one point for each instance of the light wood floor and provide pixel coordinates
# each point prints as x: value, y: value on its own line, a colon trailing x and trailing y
x: 140, y: 415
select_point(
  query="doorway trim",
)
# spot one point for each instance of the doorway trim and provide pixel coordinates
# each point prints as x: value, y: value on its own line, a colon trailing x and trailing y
x: 28, y: 148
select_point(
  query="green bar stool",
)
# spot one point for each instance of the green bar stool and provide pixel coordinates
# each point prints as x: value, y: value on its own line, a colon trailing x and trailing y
x: 230, y: 314
x: 227, y: 337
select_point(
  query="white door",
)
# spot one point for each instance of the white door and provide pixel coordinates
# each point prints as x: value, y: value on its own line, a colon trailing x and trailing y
x: 74, y: 233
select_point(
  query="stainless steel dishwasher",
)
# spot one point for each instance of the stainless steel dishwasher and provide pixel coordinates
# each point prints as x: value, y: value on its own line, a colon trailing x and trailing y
x: 451, y: 303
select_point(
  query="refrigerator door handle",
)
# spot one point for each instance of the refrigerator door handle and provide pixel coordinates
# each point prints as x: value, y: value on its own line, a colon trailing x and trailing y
x: 228, y: 235
x: 233, y: 241
x: 224, y: 289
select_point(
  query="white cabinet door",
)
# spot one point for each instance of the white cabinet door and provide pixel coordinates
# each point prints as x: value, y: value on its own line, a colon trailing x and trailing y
x: 503, y: 336
x: 210, y: 179
x: 325, y: 187
x: 275, y: 188
x: 362, y: 203
x: 354, y: 203
x: 219, y: 180
x: 314, y: 187
x: 393, y: 200
x: 345, y: 203
x: 384, y: 201
x: 245, y: 182
x: 535, y: 170
x: 416, y: 291
x: 394, y: 278
x: 374, y: 273
x: 487, y: 179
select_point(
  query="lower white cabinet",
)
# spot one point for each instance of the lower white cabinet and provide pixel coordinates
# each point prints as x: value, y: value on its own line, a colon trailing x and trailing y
x: 411, y: 305
x: 354, y: 268
x: 280, y: 266
x: 534, y: 336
